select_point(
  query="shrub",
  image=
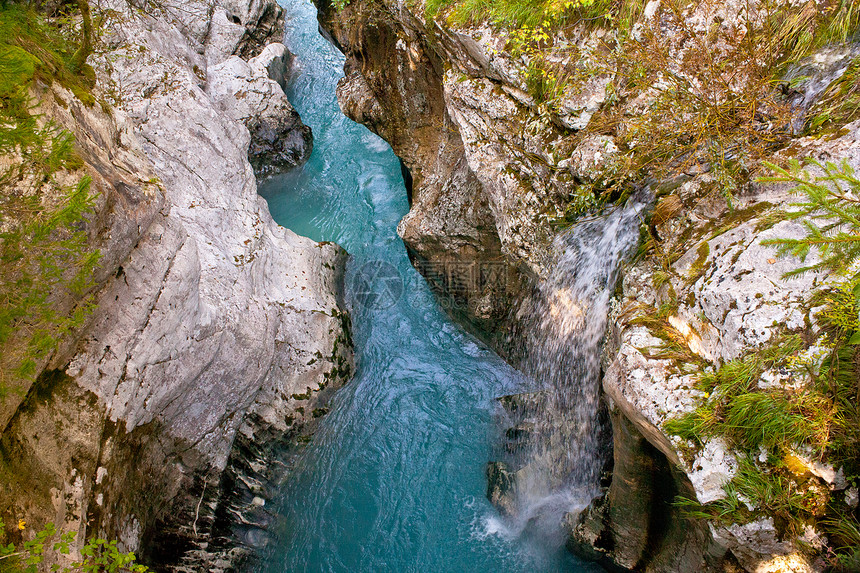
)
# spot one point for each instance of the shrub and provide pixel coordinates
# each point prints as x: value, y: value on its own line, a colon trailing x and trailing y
x: 840, y: 103
x: 97, y: 555
x: 756, y: 492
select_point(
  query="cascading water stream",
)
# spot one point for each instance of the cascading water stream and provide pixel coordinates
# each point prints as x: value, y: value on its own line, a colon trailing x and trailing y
x: 394, y: 479
x: 563, y: 446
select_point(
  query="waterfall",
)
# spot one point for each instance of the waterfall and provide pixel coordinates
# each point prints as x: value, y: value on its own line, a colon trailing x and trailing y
x: 554, y: 450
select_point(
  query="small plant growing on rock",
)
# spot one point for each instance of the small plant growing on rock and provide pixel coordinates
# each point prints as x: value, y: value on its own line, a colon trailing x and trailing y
x: 97, y: 556
x: 829, y: 210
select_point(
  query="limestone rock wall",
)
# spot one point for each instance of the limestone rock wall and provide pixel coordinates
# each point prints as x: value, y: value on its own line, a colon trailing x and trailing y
x: 731, y: 300
x: 166, y: 421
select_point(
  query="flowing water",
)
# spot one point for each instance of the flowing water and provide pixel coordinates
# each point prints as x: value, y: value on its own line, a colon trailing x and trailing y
x: 560, y: 446
x: 394, y: 479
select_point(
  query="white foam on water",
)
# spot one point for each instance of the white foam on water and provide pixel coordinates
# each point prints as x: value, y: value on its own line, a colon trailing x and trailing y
x: 375, y: 143
x: 492, y: 525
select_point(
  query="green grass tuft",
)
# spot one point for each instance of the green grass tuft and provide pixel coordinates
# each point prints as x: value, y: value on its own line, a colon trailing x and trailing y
x: 769, y: 420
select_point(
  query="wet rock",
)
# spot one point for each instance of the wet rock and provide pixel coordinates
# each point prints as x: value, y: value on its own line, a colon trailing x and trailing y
x: 808, y: 79
x: 518, y: 419
x: 521, y: 405
x: 635, y: 525
x: 589, y: 535
x: 501, y: 487
x: 518, y: 433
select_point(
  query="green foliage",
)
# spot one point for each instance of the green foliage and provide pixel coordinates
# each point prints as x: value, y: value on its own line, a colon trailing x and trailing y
x: 581, y: 200
x: 542, y: 82
x: 751, y: 418
x: 839, y: 374
x: 841, y: 311
x: 19, y: 67
x: 797, y: 31
x: 844, y: 536
x: 43, y: 245
x: 97, y: 555
x: 829, y: 212
x: 694, y: 426
x: 755, y: 492
x: 822, y: 415
x: 47, y: 49
x: 772, y: 420
x: 518, y: 14
x: 773, y: 491
x: 43, y: 250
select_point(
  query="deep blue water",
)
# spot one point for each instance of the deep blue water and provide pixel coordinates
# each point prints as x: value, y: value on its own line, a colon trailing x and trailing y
x: 394, y: 479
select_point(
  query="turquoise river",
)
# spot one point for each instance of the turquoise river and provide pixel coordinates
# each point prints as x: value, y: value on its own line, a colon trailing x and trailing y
x: 394, y: 479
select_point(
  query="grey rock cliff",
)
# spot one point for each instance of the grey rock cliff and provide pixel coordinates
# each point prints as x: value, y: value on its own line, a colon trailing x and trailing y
x: 252, y: 92
x: 166, y: 421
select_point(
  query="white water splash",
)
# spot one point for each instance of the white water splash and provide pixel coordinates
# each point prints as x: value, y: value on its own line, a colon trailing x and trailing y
x: 558, y: 469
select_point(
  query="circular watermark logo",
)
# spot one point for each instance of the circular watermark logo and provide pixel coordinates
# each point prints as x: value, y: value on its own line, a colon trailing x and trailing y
x: 377, y: 285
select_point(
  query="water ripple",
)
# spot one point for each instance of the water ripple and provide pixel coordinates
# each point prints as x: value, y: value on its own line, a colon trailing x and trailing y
x: 393, y: 481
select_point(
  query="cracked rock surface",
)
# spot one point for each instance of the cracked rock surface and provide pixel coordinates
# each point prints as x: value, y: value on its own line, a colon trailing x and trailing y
x: 217, y: 333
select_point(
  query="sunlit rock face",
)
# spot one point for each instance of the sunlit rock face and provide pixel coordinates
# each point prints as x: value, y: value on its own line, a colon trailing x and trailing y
x: 253, y: 92
x: 737, y: 301
x: 217, y: 332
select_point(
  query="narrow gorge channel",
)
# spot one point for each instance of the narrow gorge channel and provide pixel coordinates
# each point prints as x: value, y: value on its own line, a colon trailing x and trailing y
x: 418, y: 339
x: 394, y: 480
